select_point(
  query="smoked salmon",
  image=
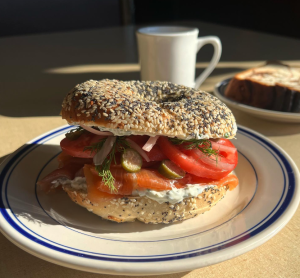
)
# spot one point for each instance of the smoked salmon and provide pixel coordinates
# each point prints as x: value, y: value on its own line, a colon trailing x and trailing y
x: 125, y: 183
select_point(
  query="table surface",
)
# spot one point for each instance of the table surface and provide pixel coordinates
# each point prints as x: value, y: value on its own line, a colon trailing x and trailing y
x: 36, y: 72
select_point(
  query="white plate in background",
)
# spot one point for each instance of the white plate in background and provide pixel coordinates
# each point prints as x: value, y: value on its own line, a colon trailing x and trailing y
x: 271, y: 115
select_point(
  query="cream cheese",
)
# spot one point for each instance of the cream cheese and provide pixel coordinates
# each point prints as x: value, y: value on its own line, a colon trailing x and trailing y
x: 79, y: 183
x: 173, y: 196
x: 121, y: 132
x: 116, y: 131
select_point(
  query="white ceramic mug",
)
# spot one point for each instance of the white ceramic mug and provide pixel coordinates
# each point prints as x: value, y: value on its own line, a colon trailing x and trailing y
x: 168, y: 53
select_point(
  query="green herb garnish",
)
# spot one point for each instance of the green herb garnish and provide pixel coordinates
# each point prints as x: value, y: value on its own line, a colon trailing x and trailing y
x: 104, y: 170
x: 96, y: 147
x: 204, y: 145
x: 74, y: 133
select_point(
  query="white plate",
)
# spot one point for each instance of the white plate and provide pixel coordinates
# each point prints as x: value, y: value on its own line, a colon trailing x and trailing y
x: 53, y: 228
x: 277, y: 116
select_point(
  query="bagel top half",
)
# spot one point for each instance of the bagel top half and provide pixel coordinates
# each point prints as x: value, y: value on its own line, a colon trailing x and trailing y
x: 148, y: 108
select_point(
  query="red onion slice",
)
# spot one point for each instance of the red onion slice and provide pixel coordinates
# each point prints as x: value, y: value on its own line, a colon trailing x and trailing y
x: 136, y: 147
x: 150, y: 143
x: 106, y: 148
x: 90, y: 129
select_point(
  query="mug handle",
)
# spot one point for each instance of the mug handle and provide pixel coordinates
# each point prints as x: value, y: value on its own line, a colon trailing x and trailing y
x: 215, y: 41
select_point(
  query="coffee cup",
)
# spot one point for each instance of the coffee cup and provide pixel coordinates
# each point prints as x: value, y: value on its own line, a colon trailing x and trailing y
x: 168, y: 53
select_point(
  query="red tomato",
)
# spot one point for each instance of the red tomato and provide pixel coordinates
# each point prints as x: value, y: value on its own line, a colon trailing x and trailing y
x: 227, y: 159
x: 155, y: 154
x: 227, y: 150
x: 139, y: 139
x: 223, y: 145
x: 189, y: 163
x: 150, y: 164
x: 65, y: 159
x: 75, y: 147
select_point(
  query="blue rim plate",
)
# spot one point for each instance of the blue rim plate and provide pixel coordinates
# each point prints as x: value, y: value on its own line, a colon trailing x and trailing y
x: 55, y: 229
x: 219, y: 92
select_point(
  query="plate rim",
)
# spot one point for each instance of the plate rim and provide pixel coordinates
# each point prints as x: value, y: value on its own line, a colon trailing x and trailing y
x: 283, y: 219
x: 251, y: 109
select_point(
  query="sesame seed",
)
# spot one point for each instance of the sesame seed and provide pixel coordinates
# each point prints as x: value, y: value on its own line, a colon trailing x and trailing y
x: 150, y: 107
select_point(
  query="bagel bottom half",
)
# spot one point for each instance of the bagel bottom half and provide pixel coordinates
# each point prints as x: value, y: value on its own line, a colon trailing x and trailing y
x: 128, y: 209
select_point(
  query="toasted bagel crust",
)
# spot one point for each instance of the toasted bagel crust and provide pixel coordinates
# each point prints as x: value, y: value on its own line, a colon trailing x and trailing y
x: 148, y: 108
x: 147, y: 210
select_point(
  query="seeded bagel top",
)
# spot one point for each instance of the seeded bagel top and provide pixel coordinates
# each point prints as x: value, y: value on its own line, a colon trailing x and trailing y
x: 148, y: 108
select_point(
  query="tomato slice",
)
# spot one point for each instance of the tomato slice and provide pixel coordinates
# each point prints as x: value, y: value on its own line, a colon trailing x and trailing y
x: 139, y: 139
x: 189, y: 163
x: 150, y: 164
x: 65, y: 159
x: 227, y: 150
x: 224, y: 161
x: 76, y: 147
x: 155, y: 154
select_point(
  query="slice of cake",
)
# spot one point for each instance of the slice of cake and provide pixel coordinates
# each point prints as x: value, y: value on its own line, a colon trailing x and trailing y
x: 273, y: 87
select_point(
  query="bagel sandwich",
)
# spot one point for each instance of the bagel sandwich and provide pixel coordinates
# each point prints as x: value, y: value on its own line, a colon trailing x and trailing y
x: 155, y: 151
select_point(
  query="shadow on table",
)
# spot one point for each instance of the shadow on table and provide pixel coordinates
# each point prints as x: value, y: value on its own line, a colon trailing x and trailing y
x: 3, y: 158
x: 29, y: 202
x: 28, y: 263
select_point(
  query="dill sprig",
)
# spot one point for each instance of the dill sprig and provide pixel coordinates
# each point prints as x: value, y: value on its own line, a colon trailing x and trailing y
x: 122, y: 144
x: 96, y: 147
x: 204, y: 145
x: 107, y: 177
x: 104, y: 170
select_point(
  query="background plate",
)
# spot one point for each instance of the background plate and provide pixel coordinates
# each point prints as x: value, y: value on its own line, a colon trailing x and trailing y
x: 277, y: 116
x: 57, y: 230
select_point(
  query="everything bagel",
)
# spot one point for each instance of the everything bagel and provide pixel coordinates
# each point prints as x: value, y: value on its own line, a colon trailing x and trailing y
x: 156, y: 152
x: 148, y: 108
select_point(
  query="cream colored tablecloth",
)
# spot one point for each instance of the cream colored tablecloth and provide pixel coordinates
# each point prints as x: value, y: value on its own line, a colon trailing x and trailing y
x: 279, y: 257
